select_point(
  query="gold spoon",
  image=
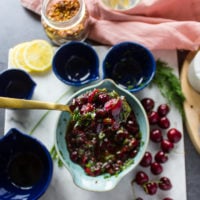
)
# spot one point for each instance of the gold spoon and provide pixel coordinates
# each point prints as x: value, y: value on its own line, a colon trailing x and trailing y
x: 6, y: 102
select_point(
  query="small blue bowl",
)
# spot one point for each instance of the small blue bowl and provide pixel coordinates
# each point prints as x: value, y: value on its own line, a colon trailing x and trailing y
x: 26, y: 167
x: 130, y: 65
x: 100, y: 183
x: 16, y: 83
x: 76, y: 63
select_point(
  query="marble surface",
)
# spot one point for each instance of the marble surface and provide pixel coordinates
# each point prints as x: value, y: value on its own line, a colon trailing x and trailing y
x: 19, y: 25
x: 49, y: 88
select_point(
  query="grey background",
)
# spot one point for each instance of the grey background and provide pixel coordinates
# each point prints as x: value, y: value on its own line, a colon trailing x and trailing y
x: 19, y: 25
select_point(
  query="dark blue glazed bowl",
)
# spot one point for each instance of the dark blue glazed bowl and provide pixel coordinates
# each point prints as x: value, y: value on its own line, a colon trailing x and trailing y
x: 16, y: 83
x: 130, y: 65
x: 25, y: 167
x: 76, y: 63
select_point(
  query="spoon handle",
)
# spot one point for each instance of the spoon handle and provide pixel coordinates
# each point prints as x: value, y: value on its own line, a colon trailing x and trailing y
x: 6, y: 102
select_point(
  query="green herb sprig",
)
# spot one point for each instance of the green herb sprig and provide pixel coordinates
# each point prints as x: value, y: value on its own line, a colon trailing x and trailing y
x: 55, y: 156
x: 169, y: 85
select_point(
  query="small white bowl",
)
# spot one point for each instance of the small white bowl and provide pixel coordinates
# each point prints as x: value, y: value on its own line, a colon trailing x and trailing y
x: 194, y: 72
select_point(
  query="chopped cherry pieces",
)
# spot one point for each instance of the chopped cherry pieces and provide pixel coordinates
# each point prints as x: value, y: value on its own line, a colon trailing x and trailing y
x: 113, y: 104
x: 99, y: 136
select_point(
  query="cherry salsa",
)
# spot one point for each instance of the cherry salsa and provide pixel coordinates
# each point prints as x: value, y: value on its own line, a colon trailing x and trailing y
x: 103, y: 134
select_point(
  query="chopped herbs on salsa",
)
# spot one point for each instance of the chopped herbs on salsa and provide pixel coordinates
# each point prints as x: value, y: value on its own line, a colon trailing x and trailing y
x: 103, y: 134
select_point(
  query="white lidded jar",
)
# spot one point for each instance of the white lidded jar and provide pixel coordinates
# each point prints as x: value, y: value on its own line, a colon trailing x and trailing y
x: 65, y: 20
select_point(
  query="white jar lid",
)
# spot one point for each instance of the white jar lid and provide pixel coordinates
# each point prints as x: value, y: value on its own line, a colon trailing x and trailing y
x: 194, y: 72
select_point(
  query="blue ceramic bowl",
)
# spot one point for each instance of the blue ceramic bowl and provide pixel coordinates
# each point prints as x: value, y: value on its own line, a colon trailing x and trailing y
x: 25, y: 167
x: 100, y: 183
x: 76, y: 63
x: 16, y: 83
x: 130, y: 65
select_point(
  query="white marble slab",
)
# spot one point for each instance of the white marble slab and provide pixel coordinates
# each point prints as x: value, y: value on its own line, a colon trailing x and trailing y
x: 49, y: 88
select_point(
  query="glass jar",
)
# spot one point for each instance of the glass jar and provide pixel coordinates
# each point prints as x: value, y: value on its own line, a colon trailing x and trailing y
x: 65, y: 20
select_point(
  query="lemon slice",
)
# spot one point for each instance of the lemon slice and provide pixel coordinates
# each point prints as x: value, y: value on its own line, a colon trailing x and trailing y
x: 18, y: 56
x: 117, y: 3
x: 38, y: 55
x: 11, y: 61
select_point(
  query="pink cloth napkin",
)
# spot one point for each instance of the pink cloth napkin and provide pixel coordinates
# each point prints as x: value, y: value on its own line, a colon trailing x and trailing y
x: 157, y: 24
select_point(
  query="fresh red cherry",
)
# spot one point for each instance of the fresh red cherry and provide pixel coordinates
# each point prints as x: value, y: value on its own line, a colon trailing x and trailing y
x: 174, y: 135
x: 165, y: 183
x: 167, y: 198
x: 156, y: 168
x: 164, y: 122
x: 153, y: 117
x: 156, y: 135
x: 163, y: 110
x: 161, y: 157
x: 148, y: 104
x: 146, y: 160
x: 166, y: 145
x: 141, y: 178
x: 150, y: 188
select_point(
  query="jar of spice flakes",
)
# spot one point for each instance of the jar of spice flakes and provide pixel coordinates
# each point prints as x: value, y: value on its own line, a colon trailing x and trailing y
x: 65, y: 20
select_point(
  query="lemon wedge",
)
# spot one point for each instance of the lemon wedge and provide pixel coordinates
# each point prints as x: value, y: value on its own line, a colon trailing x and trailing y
x: 38, y: 55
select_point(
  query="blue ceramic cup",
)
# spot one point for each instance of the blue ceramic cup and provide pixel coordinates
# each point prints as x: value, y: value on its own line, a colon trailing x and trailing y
x: 130, y: 65
x: 25, y: 167
x: 76, y: 63
x: 16, y: 83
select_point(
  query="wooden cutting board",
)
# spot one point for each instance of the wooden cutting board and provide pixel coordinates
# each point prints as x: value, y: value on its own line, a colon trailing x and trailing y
x: 191, y: 104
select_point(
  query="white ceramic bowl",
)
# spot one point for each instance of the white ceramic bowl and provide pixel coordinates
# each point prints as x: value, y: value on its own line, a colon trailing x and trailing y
x: 194, y: 72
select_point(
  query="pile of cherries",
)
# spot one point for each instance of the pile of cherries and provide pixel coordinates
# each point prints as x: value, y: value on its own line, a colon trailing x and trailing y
x: 159, y: 122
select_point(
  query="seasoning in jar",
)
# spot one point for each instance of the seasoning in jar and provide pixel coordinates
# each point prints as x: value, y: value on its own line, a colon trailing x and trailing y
x: 65, y: 20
